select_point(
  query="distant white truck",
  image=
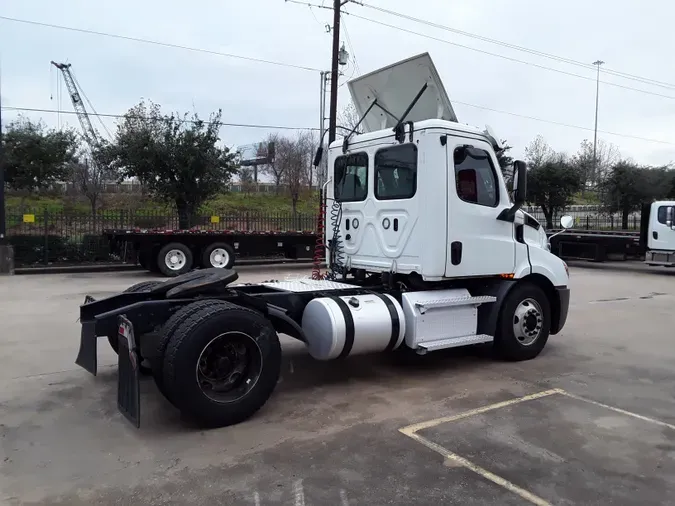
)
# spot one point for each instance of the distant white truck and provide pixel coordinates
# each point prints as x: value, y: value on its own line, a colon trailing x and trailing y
x: 660, y: 233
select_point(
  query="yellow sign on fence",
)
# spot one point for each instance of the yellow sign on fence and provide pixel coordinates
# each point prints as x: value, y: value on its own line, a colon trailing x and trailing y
x: 215, y: 219
x: 29, y: 218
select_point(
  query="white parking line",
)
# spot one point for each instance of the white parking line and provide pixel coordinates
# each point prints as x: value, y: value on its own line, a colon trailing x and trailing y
x: 299, y: 493
x: 343, y: 498
x: 411, y: 432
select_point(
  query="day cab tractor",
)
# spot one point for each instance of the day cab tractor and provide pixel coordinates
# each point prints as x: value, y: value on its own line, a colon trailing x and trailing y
x: 426, y: 250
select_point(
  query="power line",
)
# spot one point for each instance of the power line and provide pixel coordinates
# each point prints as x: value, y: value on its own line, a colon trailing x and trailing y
x: 543, y: 54
x: 351, y: 47
x: 285, y: 127
x: 509, y: 58
x: 102, y: 115
x: 578, y: 127
x: 158, y: 43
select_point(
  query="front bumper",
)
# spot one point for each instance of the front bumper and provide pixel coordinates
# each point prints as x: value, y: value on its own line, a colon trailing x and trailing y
x: 564, y: 298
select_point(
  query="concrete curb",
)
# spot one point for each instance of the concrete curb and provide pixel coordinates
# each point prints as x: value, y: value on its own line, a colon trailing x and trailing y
x: 67, y: 269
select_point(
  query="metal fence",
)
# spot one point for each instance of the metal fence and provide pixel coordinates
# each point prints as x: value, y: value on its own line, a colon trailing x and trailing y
x: 47, y: 237
x: 589, y: 218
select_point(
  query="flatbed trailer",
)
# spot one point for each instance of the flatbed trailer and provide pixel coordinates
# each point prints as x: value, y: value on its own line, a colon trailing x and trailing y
x: 175, y: 252
x: 596, y: 245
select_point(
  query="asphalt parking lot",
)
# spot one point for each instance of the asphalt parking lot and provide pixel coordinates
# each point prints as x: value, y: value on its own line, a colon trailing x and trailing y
x: 590, y: 421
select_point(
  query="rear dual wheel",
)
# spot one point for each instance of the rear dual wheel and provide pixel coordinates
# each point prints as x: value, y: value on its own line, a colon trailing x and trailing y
x: 220, y: 364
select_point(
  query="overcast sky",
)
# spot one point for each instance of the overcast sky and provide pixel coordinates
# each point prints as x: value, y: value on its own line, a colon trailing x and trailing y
x: 631, y: 36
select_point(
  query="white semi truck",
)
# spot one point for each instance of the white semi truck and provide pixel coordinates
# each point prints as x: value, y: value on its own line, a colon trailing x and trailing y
x: 655, y: 241
x: 426, y: 251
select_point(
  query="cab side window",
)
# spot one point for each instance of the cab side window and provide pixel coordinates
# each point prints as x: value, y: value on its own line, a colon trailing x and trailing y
x: 662, y: 214
x: 475, y: 176
x: 350, y: 177
x: 396, y: 172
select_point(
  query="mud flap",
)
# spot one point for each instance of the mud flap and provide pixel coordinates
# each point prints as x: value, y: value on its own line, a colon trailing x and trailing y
x: 87, y: 356
x: 128, y: 374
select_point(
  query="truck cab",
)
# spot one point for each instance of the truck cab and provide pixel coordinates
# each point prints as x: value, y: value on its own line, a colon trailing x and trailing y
x: 658, y: 233
x: 425, y: 196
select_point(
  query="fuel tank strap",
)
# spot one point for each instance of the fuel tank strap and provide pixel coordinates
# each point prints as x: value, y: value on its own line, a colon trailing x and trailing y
x: 349, y: 326
x: 395, y: 321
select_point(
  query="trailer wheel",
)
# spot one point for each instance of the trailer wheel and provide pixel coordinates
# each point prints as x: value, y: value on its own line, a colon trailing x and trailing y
x: 221, y: 364
x: 174, y: 259
x: 219, y: 255
x: 166, y: 333
x: 524, y: 323
x: 143, y: 286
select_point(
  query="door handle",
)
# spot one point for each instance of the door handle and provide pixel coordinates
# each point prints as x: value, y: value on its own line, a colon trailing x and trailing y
x: 456, y: 253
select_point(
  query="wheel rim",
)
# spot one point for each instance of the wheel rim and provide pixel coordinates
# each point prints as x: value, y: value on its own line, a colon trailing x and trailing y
x: 219, y: 257
x: 229, y: 367
x: 528, y: 321
x: 175, y: 259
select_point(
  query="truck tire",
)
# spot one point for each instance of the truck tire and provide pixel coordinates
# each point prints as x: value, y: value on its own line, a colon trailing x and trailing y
x: 174, y: 259
x: 143, y: 286
x: 219, y: 255
x: 221, y: 364
x: 524, y: 323
x: 166, y: 334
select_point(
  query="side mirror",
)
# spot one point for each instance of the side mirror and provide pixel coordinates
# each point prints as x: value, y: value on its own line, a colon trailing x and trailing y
x: 566, y: 221
x: 519, y: 182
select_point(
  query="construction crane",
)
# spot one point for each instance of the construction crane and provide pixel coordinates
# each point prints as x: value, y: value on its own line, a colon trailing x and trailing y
x: 90, y: 134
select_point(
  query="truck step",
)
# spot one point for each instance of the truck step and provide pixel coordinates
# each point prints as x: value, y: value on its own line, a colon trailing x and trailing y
x: 453, y: 342
x: 454, y: 301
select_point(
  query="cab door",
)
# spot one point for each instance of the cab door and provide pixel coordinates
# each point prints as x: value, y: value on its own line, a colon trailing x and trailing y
x: 661, y: 236
x: 479, y: 244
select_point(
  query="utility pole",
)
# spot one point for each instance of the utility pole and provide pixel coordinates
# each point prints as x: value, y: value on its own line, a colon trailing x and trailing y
x: 332, y: 122
x: 322, y: 122
x: 597, y: 63
x: 6, y: 250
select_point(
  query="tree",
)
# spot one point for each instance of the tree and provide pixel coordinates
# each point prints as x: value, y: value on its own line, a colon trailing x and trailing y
x: 627, y: 186
x: 538, y: 152
x: 272, y: 168
x: 552, y: 184
x: 348, y: 117
x: 592, y: 173
x: 176, y: 158
x: 506, y: 163
x: 35, y: 157
x: 503, y: 156
x: 246, y: 178
x: 90, y: 174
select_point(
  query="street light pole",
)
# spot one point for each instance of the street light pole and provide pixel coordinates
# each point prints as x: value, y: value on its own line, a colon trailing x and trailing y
x: 597, y: 63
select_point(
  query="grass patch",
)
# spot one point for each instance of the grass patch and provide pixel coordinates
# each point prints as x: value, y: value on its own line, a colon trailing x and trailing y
x: 226, y: 203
